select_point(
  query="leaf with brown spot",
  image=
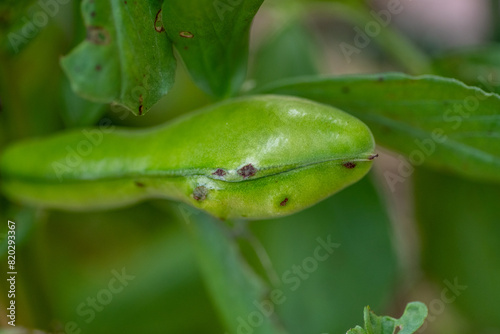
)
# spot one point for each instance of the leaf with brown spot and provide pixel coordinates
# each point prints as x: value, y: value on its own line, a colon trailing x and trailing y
x: 119, y: 40
x: 212, y: 38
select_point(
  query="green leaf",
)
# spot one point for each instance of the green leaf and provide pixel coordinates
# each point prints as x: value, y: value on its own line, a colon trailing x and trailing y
x: 459, y: 222
x: 411, y: 320
x: 235, y: 287
x: 126, y: 58
x: 478, y: 66
x: 431, y: 119
x: 360, y: 270
x: 212, y: 39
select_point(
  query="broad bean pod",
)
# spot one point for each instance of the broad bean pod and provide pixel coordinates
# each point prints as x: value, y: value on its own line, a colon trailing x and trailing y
x: 249, y: 157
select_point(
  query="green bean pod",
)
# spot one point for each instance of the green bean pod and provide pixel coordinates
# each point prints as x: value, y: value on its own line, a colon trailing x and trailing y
x: 250, y: 157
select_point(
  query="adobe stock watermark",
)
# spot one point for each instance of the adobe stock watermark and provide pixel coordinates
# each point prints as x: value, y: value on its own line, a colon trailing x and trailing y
x: 292, y: 279
x: 223, y: 6
x: 425, y: 147
x: 372, y: 29
x: 437, y: 306
x: 36, y: 19
x: 88, y: 309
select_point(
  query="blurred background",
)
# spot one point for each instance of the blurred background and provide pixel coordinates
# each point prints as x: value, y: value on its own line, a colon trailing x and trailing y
x: 433, y: 238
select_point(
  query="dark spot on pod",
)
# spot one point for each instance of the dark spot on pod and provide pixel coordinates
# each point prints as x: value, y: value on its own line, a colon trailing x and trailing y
x: 98, y: 68
x: 373, y: 156
x: 381, y: 79
x: 186, y: 34
x: 349, y: 165
x: 247, y: 171
x: 186, y: 47
x: 159, y: 23
x: 140, y: 184
x: 200, y: 193
x: 125, y: 2
x: 219, y: 172
x: 283, y: 203
x: 346, y: 90
x: 92, y: 14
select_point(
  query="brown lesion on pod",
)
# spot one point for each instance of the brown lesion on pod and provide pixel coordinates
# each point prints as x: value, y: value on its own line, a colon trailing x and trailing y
x: 200, y: 193
x: 219, y: 172
x: 283, y: 203
x: 139, y: 184
x: 247, y: 171
x: 373, y: 156
x: 349, y: 165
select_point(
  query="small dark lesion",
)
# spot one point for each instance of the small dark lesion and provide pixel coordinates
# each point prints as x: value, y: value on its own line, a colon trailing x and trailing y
x: 219, y: 172
x: 349, y: 165
x: 247, y: 171
x: 200, y: 193
x: 283, y: 203
x: 373, y: 156
x: 140, y: 184
x: 141, y: 107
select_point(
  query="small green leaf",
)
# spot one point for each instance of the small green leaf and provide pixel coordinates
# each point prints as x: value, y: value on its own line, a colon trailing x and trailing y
x: 411, y: 320
x: 212, y: 39
x: 431, y: 119
x: 126, y: 58
x: 356, y: 330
